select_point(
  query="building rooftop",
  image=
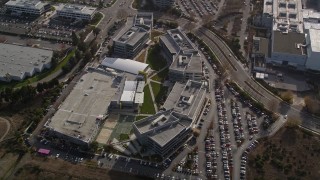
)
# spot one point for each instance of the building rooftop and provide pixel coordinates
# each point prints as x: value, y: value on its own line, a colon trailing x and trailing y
x: 130, y: 34
x: 78, y: 9
x: 32, y: 4
x: 287, y: 16
x: 311, y: 19
x: 261, y: 45
x: 315, y: 39
x: 163, y: 126
x: 187, y: 62
x: 17, y: 60
x: 144, y: 19
x: 185, y: 98
x: 288, y: 42
x: 125, y: 65
x: 90, y: 98
x: 177, y: 41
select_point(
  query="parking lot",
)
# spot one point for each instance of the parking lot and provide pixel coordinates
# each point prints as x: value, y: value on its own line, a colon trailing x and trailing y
x: 201, y: 8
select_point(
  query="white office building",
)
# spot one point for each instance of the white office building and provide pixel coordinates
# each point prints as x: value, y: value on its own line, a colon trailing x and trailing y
x: 75, y: 11
x: 30, y: 7
x: 313, y: 49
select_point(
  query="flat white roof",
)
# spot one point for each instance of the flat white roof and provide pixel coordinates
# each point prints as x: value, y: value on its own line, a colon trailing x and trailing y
x: 315, y: 39
x: 126, y: 65
x: 127, y: 96
x: 139, y: 98
x: 78, y: 9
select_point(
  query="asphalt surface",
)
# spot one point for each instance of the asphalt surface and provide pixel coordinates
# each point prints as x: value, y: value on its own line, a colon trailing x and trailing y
x: 240, y: 75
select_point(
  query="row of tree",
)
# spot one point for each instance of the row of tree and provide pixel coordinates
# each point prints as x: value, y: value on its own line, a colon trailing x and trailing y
x: 25, y: 93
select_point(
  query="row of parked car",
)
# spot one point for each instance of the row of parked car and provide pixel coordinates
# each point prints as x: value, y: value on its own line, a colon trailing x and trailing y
x: 224, y: 132
x: 244, y: 158
x: 211, y: 155
x: 252, y: 124
x: 237, y: 124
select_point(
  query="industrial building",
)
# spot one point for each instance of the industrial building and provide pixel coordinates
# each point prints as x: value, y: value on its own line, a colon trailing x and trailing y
x: 124, y: 65
x: 186, y: 60
x: 293, y: 35
x: 19, y: 62
x: 79, y: 117
x: 72, y: 11
x: 132, y: 38
x: 167, y: 130
x: 164, y: 3
x: 27, y: 7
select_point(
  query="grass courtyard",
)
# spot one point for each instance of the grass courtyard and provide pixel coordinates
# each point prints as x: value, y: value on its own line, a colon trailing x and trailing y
x: 159, y: 92
x: 147, y: 106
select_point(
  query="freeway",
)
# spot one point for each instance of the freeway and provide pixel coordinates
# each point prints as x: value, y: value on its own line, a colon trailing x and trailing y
x: 239, y: 74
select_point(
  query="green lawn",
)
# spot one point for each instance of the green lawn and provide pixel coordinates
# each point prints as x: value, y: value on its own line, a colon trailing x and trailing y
x: 40, y: 76
x: 140, y: 117
x: 96, y: 18
x: 147, y: 106
x: 159, y: 91
x: 124, y: 137
x: 161, y: 76
x: 154, y: 59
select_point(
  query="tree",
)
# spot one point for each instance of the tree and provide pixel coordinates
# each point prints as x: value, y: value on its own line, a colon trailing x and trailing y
x: 94, y: 146
x: 189, y: 27
x: 287, y: 97
x: 293, y: 122
x: 78, y: 55
x: 82, y: 46
x: 75, y: 38
x: 100, y: 4
x: 88, y: 56
x: 207, y: 19
x: 40, y: 87
x: 312, y: 105
x: 122, y: 14
x: 96, y: 31
x: 273, y: 105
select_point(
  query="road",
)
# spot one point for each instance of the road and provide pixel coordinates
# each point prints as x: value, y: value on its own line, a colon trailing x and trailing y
x: 240, y: 75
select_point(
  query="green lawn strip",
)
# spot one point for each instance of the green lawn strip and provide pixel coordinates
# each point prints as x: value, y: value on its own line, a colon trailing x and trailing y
x: 140, y: 117
x: 40, y: 76
x: 159, y: 92
x: 124, y: 137
x: 147, y: 106
x: 161, y: 76
x: 154, y: 59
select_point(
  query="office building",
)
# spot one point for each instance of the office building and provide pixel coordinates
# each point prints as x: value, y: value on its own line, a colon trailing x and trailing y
x: 124, y: 65
x: 186, y: 62
x: 132, y: 38
x: 27, y: 7
x: 313, y: 49
x: 19, y: 62
x: 167, y: 130
x: 75, y: 11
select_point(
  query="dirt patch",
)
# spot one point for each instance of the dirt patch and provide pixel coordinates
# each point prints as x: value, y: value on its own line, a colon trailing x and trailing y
x: 112, y: 121
x: 7, y: 162
x: 292, y: 153
x: 40, y: 168
x: 3, y: 128
x: 104, y: 136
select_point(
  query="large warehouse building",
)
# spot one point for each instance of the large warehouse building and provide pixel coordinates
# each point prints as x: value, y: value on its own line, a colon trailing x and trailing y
x: 170, y: 128
x: 79, y: 117
x: 19, y: 62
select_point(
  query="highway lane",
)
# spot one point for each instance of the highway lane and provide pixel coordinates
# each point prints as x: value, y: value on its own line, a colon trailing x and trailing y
x: 241, y: 76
